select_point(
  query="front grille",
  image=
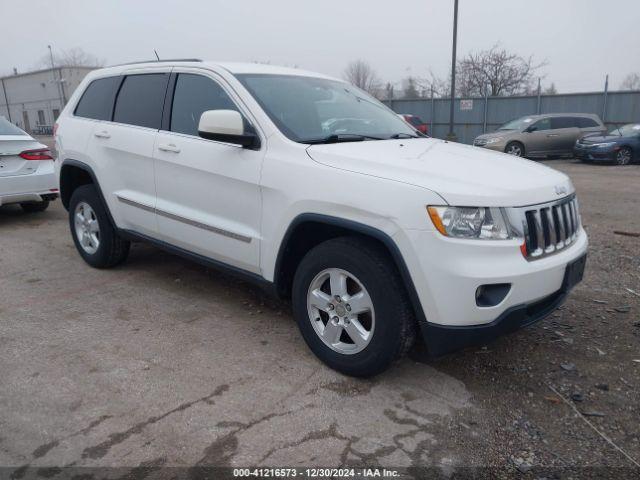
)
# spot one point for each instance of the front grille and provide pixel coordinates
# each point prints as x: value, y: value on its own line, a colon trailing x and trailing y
x: 551, y: 227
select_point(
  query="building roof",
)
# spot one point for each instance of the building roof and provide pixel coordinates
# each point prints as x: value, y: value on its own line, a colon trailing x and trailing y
x: 44, y: 70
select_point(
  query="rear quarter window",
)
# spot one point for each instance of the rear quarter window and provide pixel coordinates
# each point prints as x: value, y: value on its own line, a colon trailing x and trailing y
x: 563, y: 122
x: 97, y: 100
x: 584, y: 122
x: 140, y: 100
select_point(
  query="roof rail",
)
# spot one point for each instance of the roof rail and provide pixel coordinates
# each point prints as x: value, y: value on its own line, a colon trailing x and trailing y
x: 159, y: 61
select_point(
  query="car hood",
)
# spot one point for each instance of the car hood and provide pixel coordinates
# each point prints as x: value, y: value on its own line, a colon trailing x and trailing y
x: 461, y: 174
x: 600, y: 138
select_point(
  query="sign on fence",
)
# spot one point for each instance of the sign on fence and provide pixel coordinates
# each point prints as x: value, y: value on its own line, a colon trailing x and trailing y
x: 466, y: 104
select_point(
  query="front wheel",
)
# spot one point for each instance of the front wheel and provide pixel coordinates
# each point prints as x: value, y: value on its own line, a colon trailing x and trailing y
x: 351, y: 306
x: 515, y: 148
x: 623, y: 156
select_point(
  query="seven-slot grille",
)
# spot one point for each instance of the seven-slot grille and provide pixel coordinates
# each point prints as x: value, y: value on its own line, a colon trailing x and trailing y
x: 551, y: 227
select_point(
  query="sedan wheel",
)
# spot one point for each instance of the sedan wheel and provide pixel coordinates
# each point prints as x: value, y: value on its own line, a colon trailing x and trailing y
x: 623, y: 157
x: 341, y: 311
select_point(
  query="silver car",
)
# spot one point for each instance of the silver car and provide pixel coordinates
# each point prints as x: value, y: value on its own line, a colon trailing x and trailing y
x: 545, y: 135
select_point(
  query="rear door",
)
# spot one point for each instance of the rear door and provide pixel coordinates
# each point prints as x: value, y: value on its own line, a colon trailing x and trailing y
x: 209, y: 199
x: 536, y: 139
x: 565, y: 132
x: 122, y: 149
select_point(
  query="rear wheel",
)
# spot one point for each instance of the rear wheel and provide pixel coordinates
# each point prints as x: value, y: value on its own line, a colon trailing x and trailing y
x: 351, y: 306
x: 33, y: 207
x: 95, y: 237
x: 623, y: 156
x: 515, y: 148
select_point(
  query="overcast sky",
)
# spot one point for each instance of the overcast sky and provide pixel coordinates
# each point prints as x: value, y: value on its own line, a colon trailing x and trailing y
x: 581, y: 40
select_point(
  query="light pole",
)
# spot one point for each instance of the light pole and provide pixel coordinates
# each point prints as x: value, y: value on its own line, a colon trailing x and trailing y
x: 451, y: 135
x: 58, y: 82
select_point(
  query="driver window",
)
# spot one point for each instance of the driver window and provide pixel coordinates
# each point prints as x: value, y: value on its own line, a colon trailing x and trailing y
x: 544, y: 124
x: 193, y: 95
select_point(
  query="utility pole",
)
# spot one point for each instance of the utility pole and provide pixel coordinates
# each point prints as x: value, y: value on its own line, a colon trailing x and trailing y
x: 539, y: 98
x: 604, y: 103
x: 451, y: 135
x: 58, y: 82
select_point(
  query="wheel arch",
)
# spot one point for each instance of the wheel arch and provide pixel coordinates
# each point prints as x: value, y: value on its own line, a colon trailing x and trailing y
x: 308, y: 230
x: 74, y: 174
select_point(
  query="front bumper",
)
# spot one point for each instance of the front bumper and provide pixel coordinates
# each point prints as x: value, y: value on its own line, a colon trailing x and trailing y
x: 442, y: 339
x: 447, y: 273
x: 595, y: 154
x: 497, y: 146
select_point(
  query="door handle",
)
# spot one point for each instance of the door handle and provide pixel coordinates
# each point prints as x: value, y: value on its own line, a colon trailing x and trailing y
x: 168, y: 148
x: 103, y: 134
x: 552, y: 135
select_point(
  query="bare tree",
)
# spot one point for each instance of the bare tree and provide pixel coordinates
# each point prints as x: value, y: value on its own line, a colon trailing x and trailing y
x: 362, y: 75
x: 631, y: 82
x: 551, y: 89
x: 496, y: 72
x: 73, y: 57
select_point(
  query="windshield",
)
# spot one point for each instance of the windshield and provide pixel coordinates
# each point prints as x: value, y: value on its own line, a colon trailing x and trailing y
x: 631, y: 130
x: 308, y: 109
x: 519, y: 124
x: 8, y: 128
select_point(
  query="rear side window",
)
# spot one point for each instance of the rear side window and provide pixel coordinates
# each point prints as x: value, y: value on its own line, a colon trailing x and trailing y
x: 415, y: 121
x: 140, y: 100
x: 585, y: 122
x: 97, y: 100
x: 193, y: 95
x: 563, y: 122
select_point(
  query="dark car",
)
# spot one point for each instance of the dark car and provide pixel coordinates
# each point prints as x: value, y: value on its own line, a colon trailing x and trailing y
x: 621, y: 146
x: 415, y: 121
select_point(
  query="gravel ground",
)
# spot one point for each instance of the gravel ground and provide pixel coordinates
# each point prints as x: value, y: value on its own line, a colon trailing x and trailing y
x: 161, y: 362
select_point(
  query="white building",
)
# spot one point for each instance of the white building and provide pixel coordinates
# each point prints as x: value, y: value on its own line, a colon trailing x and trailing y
x: 33, y: 100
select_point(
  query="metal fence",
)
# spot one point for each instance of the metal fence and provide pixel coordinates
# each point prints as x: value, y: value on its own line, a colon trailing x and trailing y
x: 474, y: 116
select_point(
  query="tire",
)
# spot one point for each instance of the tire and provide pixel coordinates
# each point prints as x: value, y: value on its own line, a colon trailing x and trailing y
x: 514, y: 148
x: 103, y: 247
x: 390, y: 321
x: 624, y: 156
x: 34, y: 207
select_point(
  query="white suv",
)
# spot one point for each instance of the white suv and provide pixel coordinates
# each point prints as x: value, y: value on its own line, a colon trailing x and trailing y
x: 321, y: 194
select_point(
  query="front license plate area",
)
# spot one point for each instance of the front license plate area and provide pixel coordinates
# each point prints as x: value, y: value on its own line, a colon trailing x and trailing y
x: 573, y: 273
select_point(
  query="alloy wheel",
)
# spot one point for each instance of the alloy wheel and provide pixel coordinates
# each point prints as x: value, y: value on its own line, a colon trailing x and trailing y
x: 87, y: 228
x: 341, y: 311
x: 514, y: 149
x: 623, y: 157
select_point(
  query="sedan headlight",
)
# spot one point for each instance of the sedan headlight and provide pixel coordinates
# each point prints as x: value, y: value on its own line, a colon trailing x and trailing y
x: 484, y: 223
x: 494, y: 140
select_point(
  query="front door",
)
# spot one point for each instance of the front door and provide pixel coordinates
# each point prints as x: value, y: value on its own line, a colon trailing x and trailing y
x: 208, y: 192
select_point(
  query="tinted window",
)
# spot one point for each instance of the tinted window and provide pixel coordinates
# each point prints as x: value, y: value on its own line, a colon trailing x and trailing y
x: 563, y: 122
x: 584, y: 122
x: 97, y: 99
x: 544, y: 124
x: 193, y: 95
x: 141, y: 99
x: 415, y: 121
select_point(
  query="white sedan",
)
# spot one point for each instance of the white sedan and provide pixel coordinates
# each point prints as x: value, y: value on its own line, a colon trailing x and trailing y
x: 26, y: 170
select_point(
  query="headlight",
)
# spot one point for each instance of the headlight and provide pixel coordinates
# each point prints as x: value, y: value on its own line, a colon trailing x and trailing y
x: 494, y: 140
x: 485, y: 223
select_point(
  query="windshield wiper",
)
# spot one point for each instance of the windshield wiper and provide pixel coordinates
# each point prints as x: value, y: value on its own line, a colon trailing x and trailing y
x: 403, y: 135
x: 340, y: 137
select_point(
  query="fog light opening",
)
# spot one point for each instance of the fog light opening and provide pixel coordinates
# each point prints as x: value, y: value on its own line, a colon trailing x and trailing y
x: 491, y: 295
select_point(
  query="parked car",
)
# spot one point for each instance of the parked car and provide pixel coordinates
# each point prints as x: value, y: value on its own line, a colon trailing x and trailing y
x: 27, y: 175
x: 313, y: 189
x: 415, y: 121
x: 621, y: 146
x: 536, y: 136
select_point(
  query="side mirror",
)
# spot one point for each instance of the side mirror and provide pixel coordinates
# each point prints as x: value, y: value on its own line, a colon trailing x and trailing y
x: 226, y: 126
